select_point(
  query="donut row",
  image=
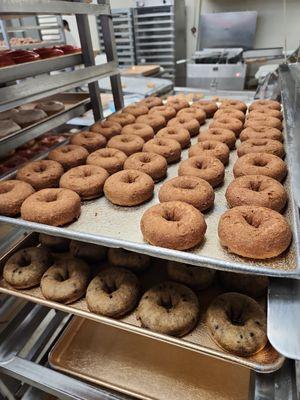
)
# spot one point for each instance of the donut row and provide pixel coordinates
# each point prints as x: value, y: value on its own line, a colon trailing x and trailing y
x: 171, y: 307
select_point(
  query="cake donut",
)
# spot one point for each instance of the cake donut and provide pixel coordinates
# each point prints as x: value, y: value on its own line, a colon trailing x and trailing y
x: 237, y: 323
x: 272, y: 104
x: 256, y: 190
x: 260, y: 111
x: 136, y: 109
x: 112, y: 160
x: 190, y: 189
x: 150, y: 163
x: 108, y: 129
x: 8, y: 126
x: 156, y: 121
x: 192, y: 125
x: 174, y: 224
x: 12, y: 195
x: 177, y: 103
x: 230, y: 113
x: 25, y: 118
x: 54, y: 207
x: 152, y: 101
x: 169, y: 308
x: 177, y: 133
x: 128, y: 144
x: 113, y: 292
x: 25, y: 268
x: 236, y: 104
x: 254, y: 232
x: 91, y: 253
x: 260, y: 164
x: 86, y: 180
x: 208, y: 168
x: 170, y: 149
x: 41, y: 174
x: 66, y: 280
x: 128, y: 259
x: 122, y: 118
x: 144, y: 131
x: 198, y: 278
x: 212, y: 148
x: 263, y: 120
x: 129, y: 188
x: 194, y: 113
x: 166, y: 111
x: 233, y: 124
x: 220, y: 134
x: 261, y: 132
x: 91, y: 141
x: 69, y: 156
x: 251, y: 285
x: 210, y: 107
x: 51, y: 106
x: 261, y: 146
x: 54, y: 243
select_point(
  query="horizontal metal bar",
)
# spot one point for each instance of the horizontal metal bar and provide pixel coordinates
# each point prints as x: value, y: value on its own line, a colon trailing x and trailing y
x: 140, y: 38
x: 170, y: 23
x: 35, y: 7
x: 32, y: 28
x: 25, y: 92
x: 153, y: 44
x: 154, y: 15
x: 171, y: 28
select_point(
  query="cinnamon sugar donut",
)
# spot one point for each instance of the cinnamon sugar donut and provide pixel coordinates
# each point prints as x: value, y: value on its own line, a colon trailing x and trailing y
x: 89, y: 140
x: 211, y: 148
x: 264, y: 120
x: 85, y: 180
x: 178, y: 103
x: 41, y: 174
x: 261, y: 132
x: 174, y: 224
x: 166, y: 111
x: 192, y: 125
x: 108, y: 129
x: 256, y: 190
x: 261, y: 146
x: 254, y: 232
x: 122, y: 118
x: 210, y: 107
x: 54, y: 207
x: 142, y: 130
x: 190, y: 189
x: 257, y: 112
x: 152, y: 101
x: 136, y: 109
x: 238, y: 105
x: 112, y: 160
x: 220, y: 134
x: 230, y: 113
x: 129, y: 188
x: 69, y: 156
x: 208, y: 168
x: 156, y: 121
x: 177, y: 133
x: 196, y: 113
x: 51, y: 106
x: 274, y: 105
x: 12, y: 195
x: 25, y: 118
x: 128, y: 144
x: 170, y: 149
x: 260, y: 164
x: 233, y: 124
x: 150, y: 163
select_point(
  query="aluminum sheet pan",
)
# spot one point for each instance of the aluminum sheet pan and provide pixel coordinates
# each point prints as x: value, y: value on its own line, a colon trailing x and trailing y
x: 144, y: 368
x: 266, y: 361
x: 104, y: 223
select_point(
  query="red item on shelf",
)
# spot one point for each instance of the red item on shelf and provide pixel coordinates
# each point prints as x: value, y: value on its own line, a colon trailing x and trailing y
x: 48, y: 52
x: 6, y: 61
x: 68, y: 49
x: 22, y: 56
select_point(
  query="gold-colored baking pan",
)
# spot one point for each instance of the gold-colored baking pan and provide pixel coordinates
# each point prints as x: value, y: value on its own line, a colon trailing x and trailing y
x: 199, y: 340
x: 144, y: 368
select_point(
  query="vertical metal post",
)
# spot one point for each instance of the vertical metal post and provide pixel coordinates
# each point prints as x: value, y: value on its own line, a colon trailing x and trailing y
x: 89, y: 60
x: 111, y: 54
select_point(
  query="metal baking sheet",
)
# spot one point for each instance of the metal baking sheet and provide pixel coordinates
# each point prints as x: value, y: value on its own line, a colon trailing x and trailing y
x: 144, y: 368
x: 104, y: 223
x: 199, y: 340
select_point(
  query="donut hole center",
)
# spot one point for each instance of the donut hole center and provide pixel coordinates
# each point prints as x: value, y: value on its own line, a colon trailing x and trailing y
x: 109, y: 287
x: 171, y: 216
x: 66, y: 150
x: 251, y: 220
x: 255, y: 186
x: 145, y: 159
x: 24, y: 261
x: 235, y: 316
x: 208, y: 146
x: 50, y: 197
x: 130, y: 179
x: 200, y: 165
x: 262, y: 143
x: 6, y: 188
x: 167, y: 302
x: 260, y: 163
x: 63, y: 276
x: 126, y: 139
x: 87, y: 173
x: 185, y: 185
x: 40, y: 168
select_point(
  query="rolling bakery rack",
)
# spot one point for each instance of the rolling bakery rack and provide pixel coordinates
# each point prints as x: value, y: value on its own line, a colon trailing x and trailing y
x: 28, y: 330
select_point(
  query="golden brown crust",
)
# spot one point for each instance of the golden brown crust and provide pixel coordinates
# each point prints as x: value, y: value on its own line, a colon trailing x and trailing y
x: 261, y: 132
x: 150, y: 163
x: 41, y: 174
x: 231, y: 113
x: 112, y: 160
x: 212, y: 148
x: 152, y: 101
x: 122, y: 118
x: 69, y: 156
x: 261, y: 146
x: 265, y: 111
x: 174, y: 224
x: 168, y: 148
x: 167, y: 112
x: 210, y: 107
x: 222, y: 135
x: 263, y: 120
x: 178, y: 133
x: 128, y: 144
x: 156, y: 121
x: 178, y: 103
x: 144, y: 131
x: 136, y: 109
x: 233, y: 124
x: 272, y: 104
x: 91, y: 141
x: 238, y: 105
x: 108, y: 129
x: 194, y: 113
x: 192, y: 125
x: 12, y: 195
x: 254, y: 232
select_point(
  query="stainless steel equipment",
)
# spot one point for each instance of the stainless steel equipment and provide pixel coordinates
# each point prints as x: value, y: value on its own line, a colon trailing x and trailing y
x: 160, y: 36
